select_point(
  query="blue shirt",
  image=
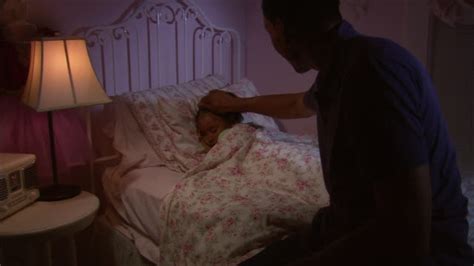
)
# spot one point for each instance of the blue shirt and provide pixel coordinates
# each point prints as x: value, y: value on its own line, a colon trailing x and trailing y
x: 378, y: 113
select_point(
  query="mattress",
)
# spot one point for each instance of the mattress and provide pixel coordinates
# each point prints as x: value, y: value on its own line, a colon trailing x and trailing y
x: 135, y: 198
x: 112, y: 246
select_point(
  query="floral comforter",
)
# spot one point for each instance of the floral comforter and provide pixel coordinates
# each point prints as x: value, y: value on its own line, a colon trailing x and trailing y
x: 249, y: 189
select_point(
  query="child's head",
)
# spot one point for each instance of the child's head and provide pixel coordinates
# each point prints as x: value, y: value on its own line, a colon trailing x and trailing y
x: 209, y: 125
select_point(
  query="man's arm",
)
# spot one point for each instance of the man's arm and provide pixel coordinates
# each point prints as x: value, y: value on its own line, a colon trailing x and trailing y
x: 283, y: 106
x: 400, y: 231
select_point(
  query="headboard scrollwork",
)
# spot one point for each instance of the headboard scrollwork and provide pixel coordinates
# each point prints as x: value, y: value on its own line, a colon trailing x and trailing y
x: 158, y: 43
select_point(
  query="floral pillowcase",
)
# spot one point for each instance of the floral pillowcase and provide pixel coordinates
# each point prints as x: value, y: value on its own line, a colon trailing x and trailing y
x: 167, y: 117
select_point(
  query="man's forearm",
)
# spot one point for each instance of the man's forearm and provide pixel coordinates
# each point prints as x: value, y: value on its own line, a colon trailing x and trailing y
x: 285, y: 106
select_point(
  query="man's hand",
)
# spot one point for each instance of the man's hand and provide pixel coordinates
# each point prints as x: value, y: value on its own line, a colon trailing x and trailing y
x: 283, y: 106
x: 220, y: 102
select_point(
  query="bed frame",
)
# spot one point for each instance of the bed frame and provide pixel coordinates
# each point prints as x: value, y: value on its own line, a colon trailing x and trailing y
x: 161, y: 42
x: 154, y: 43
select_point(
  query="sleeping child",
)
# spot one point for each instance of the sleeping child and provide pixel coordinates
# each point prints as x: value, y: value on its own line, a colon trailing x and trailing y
x: 254, y: 186
x: 210, y: 125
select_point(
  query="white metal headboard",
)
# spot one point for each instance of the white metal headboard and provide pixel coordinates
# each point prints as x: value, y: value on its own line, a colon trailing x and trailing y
x: 156, y: 43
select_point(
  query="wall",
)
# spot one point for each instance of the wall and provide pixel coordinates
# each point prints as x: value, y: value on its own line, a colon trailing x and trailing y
x: 404, y: 21
x: 453, y: 75
x: 70, y: 15
x: 270, y: 72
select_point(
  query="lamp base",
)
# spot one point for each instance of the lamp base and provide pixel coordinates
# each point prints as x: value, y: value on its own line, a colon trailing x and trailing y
x: 58, y: 192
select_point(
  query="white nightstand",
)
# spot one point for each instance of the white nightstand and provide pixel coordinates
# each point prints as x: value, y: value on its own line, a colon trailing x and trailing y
x: 42, y: 222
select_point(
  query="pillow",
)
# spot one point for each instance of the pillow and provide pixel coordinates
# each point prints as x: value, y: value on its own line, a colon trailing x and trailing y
x: 167, y: 118
x: 128, y: 138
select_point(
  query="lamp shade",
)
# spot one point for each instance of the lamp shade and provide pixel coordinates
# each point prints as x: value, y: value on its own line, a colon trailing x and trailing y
x: 61, y: 76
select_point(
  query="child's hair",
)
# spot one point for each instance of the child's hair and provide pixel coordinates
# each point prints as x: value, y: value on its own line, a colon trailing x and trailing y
x: 230, y: 118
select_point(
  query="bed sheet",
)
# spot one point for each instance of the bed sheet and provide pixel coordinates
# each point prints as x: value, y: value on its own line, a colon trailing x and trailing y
x: 252, y: 188
x: 135, y: 195
x: 116, y: 243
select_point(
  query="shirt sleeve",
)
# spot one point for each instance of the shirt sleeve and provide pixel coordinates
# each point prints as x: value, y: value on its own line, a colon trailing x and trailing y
x: 309, y: 98
x: 386, y: 130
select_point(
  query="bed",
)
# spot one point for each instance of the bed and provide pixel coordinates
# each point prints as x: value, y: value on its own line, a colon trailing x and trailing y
x: 165, y: 201
x: 156, y: 61
x: 181, y: 205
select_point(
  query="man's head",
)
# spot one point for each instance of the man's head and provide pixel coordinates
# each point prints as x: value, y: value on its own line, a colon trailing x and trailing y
x: 209, y: 125
x: 300, y: 30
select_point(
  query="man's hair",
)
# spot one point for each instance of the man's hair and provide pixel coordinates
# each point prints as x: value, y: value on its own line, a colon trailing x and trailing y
x: 229, y: 118
x: 302, y: 17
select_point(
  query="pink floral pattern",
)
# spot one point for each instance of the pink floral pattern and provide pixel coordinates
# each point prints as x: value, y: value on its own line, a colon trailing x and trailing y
x: 167, y: 117
x: 224, y: 207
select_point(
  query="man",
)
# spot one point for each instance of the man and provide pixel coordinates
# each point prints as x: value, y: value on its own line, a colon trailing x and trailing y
x: 387, y: 160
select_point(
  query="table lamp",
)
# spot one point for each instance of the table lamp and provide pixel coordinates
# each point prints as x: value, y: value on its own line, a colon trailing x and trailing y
x: 60, y: 77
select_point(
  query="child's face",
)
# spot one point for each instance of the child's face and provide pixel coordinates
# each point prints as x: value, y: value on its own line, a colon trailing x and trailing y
x: 209, y: 126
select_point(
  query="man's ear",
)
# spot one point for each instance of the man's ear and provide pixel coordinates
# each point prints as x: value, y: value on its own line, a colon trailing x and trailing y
x: 279, y: 27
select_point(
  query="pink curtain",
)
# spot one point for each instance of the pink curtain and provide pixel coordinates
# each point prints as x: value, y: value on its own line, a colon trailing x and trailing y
x: 24, y: 130
x: 454, y: 12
